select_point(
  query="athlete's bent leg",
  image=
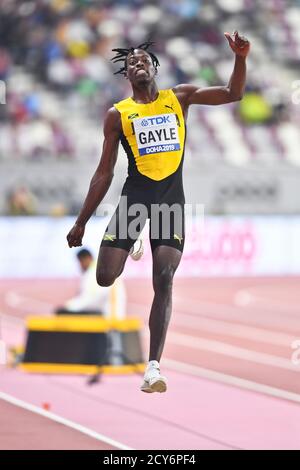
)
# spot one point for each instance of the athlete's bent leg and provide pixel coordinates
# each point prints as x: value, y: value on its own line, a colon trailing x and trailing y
x: 114, y: 249
x: 111, y: 262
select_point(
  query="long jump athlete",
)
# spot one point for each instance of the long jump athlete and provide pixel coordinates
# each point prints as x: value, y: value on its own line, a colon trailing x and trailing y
x: 151, y: 126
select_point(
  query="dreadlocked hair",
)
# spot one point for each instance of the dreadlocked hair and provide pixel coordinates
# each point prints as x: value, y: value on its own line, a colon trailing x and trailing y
x: 123, y: 53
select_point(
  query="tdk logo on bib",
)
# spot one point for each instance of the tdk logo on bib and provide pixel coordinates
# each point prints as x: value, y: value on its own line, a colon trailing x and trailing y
x: 156, y: 120
x: 156, y: 134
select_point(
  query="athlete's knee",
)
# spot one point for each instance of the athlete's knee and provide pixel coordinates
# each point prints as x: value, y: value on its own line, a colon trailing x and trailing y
x: 163, y: 279
x: 106, y: 278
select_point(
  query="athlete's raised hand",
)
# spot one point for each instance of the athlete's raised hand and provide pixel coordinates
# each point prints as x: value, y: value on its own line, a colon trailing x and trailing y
x: 239, y: 44
x: 75, y: 235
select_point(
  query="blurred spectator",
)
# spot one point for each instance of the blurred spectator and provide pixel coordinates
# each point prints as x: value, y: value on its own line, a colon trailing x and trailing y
x: 93, y: 299
x: 21, y: 202
x: 4, y: 63
x: 255, y: 109
x: 55, y: 62
x: 58, y: 210
x: 62, y: 143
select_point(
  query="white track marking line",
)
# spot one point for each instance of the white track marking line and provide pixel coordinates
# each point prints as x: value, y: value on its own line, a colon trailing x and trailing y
x: 231, y: 351
x: 66, y: 422
x: 12, y: 318
x: 229, y: 380
x: 236, y: 352
x: 247, y: 296
x: 231, y: 310
x: 15, y: 300
x: 234, y: 329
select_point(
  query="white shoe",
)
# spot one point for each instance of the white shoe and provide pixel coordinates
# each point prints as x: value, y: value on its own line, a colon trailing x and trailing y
x: 137, y: 250
x: 153, y: 380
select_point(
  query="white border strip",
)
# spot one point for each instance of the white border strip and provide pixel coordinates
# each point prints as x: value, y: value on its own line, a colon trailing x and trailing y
x: 58, y: 419
x: 230, y: 380
x: 226, y: 349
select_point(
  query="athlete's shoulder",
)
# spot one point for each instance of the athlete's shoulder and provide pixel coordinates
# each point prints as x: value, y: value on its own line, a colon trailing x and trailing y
x: 184, y: 90
x: 112, y: 114
x: 112, y: 120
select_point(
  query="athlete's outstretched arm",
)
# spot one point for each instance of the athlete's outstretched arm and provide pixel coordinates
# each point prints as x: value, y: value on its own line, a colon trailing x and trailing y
x: 102, y: 178
x: 191, y: 94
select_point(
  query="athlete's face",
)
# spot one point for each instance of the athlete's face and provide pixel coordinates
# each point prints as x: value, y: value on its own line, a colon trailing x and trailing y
x: 140, y: 68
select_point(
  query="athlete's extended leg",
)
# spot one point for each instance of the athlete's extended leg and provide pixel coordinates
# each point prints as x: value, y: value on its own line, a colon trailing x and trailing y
x: 165, y: 262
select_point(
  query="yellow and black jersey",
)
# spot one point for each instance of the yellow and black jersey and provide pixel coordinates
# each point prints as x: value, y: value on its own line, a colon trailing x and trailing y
x: 153, y: 137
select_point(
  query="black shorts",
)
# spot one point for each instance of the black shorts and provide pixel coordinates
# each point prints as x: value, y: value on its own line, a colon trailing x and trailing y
x: 167, y: 223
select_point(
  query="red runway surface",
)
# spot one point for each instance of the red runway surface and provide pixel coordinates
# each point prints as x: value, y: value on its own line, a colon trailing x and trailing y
x: 41, y: 433
x: 228, y: 358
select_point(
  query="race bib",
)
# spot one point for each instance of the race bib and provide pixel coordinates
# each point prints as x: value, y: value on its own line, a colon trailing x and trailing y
x: 156, y: 134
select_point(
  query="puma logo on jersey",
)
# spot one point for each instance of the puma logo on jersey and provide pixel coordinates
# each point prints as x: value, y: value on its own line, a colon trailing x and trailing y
x: 109, y: 238
x: 177, y: 237
x: 177, y: 118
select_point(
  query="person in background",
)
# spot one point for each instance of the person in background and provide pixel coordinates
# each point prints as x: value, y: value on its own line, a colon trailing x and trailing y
x: 91, y: 298
x: 21, y: 202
